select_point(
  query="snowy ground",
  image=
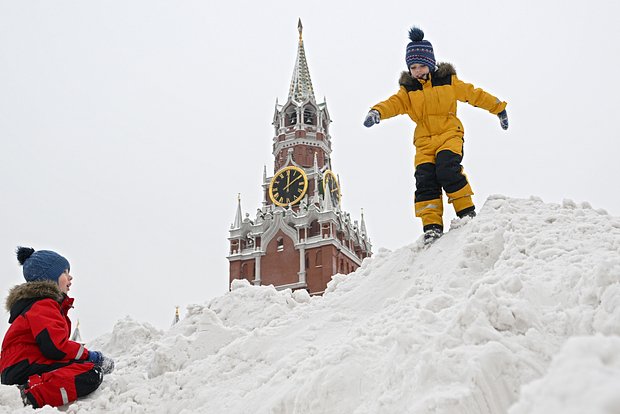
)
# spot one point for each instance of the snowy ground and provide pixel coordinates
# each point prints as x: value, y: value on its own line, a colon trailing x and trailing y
x: 516, y: 311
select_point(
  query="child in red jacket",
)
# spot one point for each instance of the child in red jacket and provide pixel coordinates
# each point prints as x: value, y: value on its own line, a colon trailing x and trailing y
x: 37, y: 355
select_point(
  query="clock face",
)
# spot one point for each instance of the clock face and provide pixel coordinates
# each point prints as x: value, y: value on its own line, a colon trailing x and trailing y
x: 288, y: 186
x: 330, y: 180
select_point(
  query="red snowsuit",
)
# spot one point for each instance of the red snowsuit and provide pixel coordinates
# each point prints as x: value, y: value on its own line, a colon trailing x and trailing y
x: 37, y: 352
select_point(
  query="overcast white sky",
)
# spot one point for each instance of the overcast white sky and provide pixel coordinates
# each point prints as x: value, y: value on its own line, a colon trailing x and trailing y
x: 127, y: 128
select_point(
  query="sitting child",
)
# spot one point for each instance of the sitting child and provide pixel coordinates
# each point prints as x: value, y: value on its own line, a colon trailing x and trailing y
x: 37, y: 354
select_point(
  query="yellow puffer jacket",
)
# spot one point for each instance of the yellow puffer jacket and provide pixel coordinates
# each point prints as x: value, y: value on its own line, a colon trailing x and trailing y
x: 431, y: 104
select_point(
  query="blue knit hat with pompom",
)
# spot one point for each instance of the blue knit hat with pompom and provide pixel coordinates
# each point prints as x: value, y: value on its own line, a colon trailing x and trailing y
x: 419, y: 50
x: 42, y: 264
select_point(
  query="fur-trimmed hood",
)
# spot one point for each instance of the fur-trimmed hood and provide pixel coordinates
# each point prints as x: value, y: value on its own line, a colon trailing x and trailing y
x: 443, y: 69
x: 22, y: 296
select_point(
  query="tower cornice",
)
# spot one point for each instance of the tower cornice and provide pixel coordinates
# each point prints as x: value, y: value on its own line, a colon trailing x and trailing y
x: 308, y: 141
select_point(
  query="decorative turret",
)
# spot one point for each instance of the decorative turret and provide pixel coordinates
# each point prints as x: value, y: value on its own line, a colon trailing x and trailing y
x: 363, y: 225
x: 77, y: 336
x: 238, y: 217
x: 327, y: 199
x: 177, y: 316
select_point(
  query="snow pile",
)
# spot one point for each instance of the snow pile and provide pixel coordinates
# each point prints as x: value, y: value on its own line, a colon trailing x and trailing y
x: 517, y: 310
x: 583, y: 378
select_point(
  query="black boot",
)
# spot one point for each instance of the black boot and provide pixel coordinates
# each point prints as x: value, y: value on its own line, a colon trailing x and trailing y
x: 432, y: 232
x: 468, y: 212
x: 22, y: 393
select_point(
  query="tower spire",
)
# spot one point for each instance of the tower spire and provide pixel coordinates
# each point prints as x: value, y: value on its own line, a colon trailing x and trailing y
x: 301, y: 85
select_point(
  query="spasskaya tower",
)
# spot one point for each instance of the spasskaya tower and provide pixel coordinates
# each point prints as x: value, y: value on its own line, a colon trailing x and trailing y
x: 300, y: 236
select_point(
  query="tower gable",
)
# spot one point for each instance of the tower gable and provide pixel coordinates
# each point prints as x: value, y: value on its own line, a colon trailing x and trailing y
x: 280, y: 265
x: 278, y: 226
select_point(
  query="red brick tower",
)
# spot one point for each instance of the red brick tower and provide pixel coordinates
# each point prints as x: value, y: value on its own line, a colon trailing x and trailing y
x: 300, y: 237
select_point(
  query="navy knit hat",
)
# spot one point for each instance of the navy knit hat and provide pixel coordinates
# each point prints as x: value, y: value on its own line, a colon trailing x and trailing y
x: 42, y: 264
x: 419, y: 50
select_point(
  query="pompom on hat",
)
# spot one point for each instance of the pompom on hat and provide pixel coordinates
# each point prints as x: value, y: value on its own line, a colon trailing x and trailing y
x: 419, y: 50
x: 41, y: 264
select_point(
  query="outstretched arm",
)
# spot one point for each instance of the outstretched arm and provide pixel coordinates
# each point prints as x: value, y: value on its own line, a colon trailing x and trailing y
x: 396, y: 104
x: 466, y: 92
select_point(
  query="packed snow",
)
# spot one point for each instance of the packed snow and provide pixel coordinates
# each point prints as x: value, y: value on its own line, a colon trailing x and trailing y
x: 515, y: 311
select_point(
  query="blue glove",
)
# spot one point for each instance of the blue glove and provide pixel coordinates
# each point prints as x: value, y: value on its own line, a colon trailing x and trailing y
x: 503, y: 119
x: 97, y: 358
x: 372, y: 118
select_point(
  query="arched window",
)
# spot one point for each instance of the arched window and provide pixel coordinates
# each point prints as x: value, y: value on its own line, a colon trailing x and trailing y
x: 315, y: 229
x: 307, y: 260
x: 280, y: 244
x: 309, y: 116
x: 318, y: 261
x: 244, y: 271
x: 290, y: 117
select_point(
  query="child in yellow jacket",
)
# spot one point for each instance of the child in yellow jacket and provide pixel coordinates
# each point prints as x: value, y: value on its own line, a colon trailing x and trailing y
x: 428, y: 94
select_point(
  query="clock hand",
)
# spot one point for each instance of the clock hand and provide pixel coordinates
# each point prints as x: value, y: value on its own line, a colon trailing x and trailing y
x: 289, y: 184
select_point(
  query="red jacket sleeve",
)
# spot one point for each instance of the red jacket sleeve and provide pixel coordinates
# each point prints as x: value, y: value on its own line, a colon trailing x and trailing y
x: 51, y: 332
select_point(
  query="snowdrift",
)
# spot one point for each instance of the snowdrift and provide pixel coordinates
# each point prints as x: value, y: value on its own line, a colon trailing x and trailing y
x: 516, y: 311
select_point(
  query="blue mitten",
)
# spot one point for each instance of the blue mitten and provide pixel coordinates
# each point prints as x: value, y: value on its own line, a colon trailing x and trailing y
x: 503, y: 119
x: 97, y: 358
x: 372, y: 118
